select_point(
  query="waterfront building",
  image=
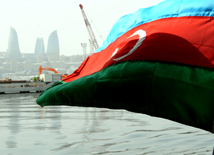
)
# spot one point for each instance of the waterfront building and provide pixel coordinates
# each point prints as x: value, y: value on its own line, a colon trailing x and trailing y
x: 53, y: 47
x: 13, y: 50
x: 3, y: 54
x: 39, y: 47
x: 28, y: 65
x: 14, y: 65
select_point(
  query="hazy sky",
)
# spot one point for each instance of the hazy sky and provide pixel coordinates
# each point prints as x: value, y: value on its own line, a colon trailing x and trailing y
x: 34, y: 18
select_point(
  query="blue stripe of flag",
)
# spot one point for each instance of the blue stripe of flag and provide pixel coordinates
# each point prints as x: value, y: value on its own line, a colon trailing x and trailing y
x: 166, y: 9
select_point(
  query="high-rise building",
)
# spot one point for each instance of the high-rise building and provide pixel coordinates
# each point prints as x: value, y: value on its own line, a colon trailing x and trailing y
x: 39, y: 48
x: 53, y: 46
x: 13, y: 50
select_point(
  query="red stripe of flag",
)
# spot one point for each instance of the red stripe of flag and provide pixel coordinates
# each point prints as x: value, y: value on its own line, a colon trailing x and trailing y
x: 186, y: 40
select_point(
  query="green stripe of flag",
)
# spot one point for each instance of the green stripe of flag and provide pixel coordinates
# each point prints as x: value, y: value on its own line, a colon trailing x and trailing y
x: 180, y: 93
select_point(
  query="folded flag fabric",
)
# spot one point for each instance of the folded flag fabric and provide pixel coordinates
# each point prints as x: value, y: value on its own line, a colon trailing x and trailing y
x: 157, y: 61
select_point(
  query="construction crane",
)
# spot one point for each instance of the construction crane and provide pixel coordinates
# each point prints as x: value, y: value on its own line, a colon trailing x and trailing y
x: 48, y: 69
x: 90, y: 31
x: 51, y: 69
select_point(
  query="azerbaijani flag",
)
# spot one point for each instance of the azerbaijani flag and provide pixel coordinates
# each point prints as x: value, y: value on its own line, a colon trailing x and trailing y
x: 157, y: 61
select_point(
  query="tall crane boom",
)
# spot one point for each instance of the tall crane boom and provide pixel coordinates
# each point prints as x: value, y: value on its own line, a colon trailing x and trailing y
x: 88, y: 26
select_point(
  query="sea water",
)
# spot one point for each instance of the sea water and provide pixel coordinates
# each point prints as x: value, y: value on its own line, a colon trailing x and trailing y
x: 26, y: 128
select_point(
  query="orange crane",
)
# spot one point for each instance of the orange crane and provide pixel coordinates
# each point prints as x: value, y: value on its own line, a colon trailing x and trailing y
x: 88, y: 26
x: 48, y: 69
x: 51, y: 69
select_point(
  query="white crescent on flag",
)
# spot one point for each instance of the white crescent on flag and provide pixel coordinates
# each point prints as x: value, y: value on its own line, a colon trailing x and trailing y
x: 142, y: 36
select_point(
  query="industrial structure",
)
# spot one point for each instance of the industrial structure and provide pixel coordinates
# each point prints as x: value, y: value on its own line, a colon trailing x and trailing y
x: 90, y: 31
x: 84, y: 45
x: 91, y: 47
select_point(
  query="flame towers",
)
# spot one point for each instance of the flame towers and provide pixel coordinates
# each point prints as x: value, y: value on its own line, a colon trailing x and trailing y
x: 53, y: 45
x: 52, y: 52
x: 13, y: 50
x: 39, y: 48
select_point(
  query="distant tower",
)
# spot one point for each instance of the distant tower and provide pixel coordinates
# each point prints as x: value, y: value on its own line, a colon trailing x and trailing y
x: 91, y: 47
x: 84, y: 50
x: 13, y: 50
x: 53, y: 46
x: 39, y: 48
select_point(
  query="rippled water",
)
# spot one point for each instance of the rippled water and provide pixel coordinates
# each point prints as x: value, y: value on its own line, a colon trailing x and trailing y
x: 26, y: 128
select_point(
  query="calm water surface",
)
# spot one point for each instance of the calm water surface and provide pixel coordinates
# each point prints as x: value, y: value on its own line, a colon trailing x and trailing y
x: 26, y: 128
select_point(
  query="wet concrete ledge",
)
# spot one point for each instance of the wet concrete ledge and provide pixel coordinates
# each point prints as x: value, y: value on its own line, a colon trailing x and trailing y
x: 24, y: 87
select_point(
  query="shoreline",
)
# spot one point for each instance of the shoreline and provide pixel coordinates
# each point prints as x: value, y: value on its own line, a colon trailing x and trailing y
x: 23, y: 87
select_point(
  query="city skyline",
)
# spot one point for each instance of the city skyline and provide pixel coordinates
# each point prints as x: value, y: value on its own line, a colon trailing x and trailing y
x: 32, y: 19
x: 13, y: 50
